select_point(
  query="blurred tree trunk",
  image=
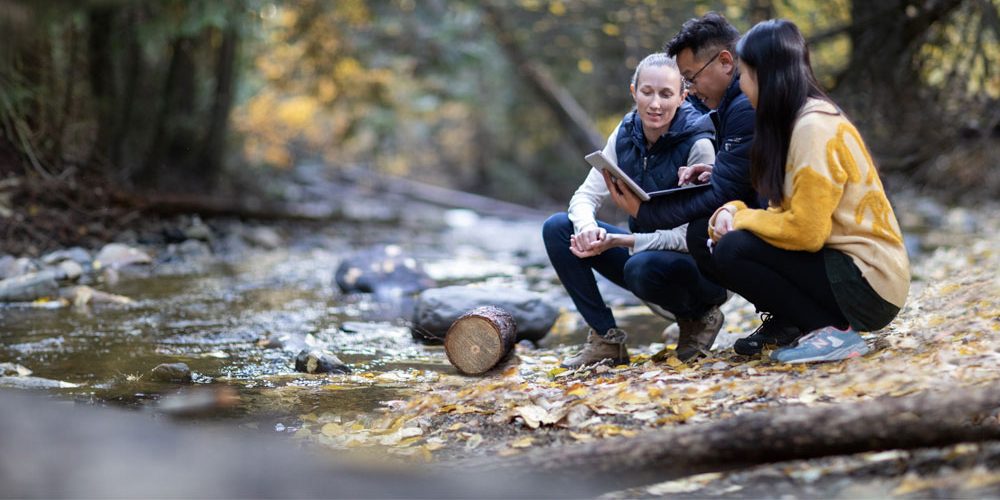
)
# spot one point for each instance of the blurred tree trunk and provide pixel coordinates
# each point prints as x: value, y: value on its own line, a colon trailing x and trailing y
x: 102, y: 82
x: 881, y: 86
x: 123, y: 152
x: 568, y: 111
x: 760, y: 10
x: 214, y: 143
x: 173, y: 138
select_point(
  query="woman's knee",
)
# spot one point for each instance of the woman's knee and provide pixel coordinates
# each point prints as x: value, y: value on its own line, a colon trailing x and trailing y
x: 557, y: 228
x: 646, y: 274
x: 732, y: 249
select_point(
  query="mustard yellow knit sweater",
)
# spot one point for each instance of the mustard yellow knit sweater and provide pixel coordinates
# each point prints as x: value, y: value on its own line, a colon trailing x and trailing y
x: 833, y: 198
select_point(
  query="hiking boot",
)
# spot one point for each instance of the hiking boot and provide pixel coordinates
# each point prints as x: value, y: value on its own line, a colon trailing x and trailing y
x: 607, y: 349
x: 660, y: 311
x: 697, y: 335
x: 826, y: 344
x: 772, y: 331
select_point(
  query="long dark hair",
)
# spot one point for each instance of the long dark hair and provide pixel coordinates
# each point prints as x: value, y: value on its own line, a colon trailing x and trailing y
x: 777, y: 52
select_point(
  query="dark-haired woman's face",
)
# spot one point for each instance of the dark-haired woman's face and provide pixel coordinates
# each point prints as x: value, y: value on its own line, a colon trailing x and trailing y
x: 748, y: 83
x: 657, y: 93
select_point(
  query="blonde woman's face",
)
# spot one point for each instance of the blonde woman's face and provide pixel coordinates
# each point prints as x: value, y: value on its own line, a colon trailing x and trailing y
x: 657, y: 94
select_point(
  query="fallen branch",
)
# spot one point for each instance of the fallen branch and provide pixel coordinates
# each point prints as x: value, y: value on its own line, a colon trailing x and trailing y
x: 437, y: 195
x: 924, y: 420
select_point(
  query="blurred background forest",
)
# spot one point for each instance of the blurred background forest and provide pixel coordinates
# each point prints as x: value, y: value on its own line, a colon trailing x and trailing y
x: 498, y: 98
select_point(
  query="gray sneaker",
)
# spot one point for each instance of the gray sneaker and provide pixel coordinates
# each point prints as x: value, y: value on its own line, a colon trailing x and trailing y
x: 608, y: 349
x: 697, y: 335
x: 825, y: 344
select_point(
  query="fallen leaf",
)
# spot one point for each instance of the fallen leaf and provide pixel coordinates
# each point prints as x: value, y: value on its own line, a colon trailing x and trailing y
x: 524, y: 442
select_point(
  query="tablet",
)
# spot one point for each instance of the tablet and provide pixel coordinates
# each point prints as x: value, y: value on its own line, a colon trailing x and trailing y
x: 601, y: 162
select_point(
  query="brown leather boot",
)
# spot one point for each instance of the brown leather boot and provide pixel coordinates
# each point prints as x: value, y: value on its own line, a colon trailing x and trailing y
x: 608, y: 349
x: 698, y: 335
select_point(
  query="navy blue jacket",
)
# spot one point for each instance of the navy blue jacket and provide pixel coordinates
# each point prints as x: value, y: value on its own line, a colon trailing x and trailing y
x: 655, y: 168
x: 733, y: 121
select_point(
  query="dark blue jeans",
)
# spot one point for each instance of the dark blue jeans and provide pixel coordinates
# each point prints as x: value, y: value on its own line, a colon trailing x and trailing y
x: 666, y: 278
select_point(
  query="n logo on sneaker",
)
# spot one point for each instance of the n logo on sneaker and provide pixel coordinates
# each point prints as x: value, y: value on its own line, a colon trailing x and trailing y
x: 836, y: 342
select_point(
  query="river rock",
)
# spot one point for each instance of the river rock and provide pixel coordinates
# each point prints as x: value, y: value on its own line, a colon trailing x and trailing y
x: 75, y: 254
x: 189, y: 251
x: 264, y: 237
x: 7, y: 263
x: 384, y: 271
x: 12, y: 268
x: 316, y: 361
x: 117, y: 255
x: 172, y: 372
x: 20, y: 382
x: 29, y: 287
x: 13, y: 369
x: 198, y: 230
x: 199, y: 401
x: 69, y: 270
x: 438, y: 308
x: 271, y: 342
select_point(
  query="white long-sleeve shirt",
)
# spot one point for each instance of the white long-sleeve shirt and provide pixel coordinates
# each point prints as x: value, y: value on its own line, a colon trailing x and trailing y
x: 589, y: 197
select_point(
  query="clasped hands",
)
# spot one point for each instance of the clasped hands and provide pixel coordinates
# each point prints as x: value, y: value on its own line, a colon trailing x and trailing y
x: 590, y: 242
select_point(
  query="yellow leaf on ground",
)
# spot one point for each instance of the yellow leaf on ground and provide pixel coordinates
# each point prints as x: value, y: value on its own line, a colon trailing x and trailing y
x: 533, y: 415
x: 912, y: 483
x: 673, y: 362
x: 524, y: 442
x: 332, y: 430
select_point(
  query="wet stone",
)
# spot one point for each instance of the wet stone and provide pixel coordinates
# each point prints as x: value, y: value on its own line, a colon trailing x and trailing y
x: 382, y: 269
x: 270, y: 342
x: 189, y: 251
x: 438, y: 308
x: 70, y: 270
x: 117, y: 255
x: 263, y: 237
x: 13, y: 370
x: 11, y: 267
x: 75, y: 254
x: 198, y: 230
x: 316, y: 361
x: 171, y: 372
x: 32, y: 383
x: 29, y: 287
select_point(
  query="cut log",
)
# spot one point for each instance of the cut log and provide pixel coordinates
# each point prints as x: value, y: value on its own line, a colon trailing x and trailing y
x: 925, y: 420
x: 479, y: 339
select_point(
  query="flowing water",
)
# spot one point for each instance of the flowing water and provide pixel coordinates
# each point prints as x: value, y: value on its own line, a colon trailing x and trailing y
x: 211, y: 316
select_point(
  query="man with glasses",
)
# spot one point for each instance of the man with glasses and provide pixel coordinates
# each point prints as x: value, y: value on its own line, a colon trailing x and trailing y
x: 704, y: 50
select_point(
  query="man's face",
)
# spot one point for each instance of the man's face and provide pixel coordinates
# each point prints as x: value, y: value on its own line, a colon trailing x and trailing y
x: 708, y: 74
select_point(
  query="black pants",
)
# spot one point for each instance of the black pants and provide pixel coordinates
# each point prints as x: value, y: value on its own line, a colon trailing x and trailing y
x: 792, y: 286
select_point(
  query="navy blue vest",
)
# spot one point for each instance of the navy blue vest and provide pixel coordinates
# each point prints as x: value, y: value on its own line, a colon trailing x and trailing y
x: 655, y: 168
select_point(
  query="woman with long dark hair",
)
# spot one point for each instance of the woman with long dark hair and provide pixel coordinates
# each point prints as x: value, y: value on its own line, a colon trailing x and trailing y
x: 826, y: 258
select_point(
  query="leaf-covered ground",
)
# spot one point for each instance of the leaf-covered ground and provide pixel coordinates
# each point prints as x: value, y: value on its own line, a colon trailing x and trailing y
x: 946, y: 337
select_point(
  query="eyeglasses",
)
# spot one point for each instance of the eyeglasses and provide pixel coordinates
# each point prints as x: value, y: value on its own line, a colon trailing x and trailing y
x: 690, y: 82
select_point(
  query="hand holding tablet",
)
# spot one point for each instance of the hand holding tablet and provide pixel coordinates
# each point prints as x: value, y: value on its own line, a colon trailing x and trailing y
x: 601, y: 162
